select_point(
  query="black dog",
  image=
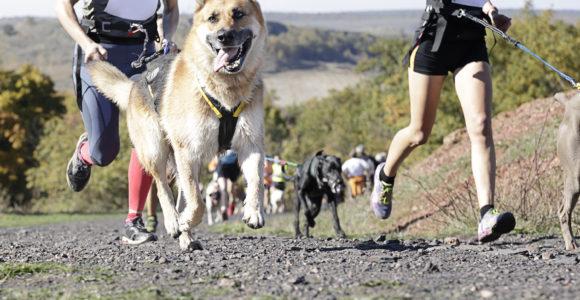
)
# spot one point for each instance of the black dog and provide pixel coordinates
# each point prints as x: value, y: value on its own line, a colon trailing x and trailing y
x: 320, y: 175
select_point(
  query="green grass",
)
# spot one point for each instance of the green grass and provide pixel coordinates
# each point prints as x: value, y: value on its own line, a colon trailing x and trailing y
x: 17, y: 220
x: 12, y: 270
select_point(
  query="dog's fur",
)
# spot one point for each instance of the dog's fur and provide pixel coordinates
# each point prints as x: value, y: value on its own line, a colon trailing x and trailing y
x: 319, y: 176
x: 569, y: 154
x: 181, y: 124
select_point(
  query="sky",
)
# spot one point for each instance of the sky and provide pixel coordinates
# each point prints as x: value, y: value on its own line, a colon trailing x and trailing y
x: 45, y: 8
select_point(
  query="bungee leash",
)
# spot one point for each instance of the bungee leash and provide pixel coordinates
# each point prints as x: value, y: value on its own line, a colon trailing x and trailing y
x: 282, y: 162
x: 142, y: 59
x: 461, y: 13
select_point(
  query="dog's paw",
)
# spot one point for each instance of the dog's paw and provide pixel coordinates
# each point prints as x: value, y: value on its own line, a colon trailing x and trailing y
x: 571, y: 246
x: 254, y: 218
x: 172, y: 226
x: 298, y: 235
x: 188, y: 244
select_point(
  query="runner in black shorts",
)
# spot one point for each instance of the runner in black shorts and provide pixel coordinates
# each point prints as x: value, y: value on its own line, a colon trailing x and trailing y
x: 228, y: 171
x: 444, y: 44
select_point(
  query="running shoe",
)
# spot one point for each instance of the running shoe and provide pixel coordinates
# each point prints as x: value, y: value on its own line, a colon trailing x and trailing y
x: 494, y: 224
x: 382, y: 195
x: 78, y: 172
x: 135, y: 233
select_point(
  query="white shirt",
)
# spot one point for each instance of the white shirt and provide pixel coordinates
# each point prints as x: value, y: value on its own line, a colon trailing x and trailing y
x: 355, y: 167
x: 138, y: 10
x: 474, y: 3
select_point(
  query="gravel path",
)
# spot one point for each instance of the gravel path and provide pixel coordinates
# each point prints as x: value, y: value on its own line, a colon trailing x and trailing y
x: 88, y: 261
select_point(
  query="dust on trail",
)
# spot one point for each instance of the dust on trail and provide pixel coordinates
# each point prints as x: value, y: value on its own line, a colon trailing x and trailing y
x: 91, y: 262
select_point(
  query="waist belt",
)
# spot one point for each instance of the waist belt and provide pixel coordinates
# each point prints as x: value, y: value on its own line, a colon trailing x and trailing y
x: 437, y: 15
x: 118, y: 29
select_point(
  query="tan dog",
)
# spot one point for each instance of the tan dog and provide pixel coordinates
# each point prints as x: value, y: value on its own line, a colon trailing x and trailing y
x: 220, y: 62
x: 569, y: 154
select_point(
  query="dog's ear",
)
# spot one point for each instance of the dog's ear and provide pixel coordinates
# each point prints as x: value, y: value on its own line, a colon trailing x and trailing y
x: 319, y: 153
x: 199, y: 4
x: 259, y: 11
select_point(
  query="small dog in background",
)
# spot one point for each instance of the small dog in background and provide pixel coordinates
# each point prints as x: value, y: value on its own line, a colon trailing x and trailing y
x: 319, y: 176
x: 569, y: 154
x: 212, y: 203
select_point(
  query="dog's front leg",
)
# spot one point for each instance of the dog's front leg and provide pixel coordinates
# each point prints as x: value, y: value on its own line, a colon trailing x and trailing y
x: 569, y: 201
x: 252, y: 162
x: 332, y: 202
x: 297, y: 201
x: 208, y: 209
x: 188, y: 170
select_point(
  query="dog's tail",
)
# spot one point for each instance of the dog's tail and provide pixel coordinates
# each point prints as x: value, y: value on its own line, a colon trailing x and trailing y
x: 111, y: 82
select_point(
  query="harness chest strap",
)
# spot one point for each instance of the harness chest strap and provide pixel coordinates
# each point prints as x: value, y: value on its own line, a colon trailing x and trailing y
x: 228, y: 119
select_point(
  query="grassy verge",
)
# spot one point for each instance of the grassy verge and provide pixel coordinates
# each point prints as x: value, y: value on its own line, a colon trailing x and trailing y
x: 12, y: 270
x: 16, y: 220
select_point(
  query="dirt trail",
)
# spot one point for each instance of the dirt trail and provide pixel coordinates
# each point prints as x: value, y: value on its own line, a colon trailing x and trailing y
x: 96, y: 264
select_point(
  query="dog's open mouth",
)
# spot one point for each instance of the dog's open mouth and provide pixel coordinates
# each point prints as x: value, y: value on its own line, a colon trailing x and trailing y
x: 231, y: 59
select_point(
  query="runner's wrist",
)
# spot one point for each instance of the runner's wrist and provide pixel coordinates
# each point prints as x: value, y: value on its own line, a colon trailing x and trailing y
x: 490, y: 10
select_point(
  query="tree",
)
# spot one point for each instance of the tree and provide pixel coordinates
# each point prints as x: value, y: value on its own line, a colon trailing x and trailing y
x: 27, y: 101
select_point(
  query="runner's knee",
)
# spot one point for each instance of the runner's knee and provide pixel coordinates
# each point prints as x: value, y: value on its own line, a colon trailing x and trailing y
x: 104, y: 153
x: 419, y: 137
x: 479, y: 129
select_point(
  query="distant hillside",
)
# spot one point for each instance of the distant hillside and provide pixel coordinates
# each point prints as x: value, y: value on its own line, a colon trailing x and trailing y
x: 42, y: 42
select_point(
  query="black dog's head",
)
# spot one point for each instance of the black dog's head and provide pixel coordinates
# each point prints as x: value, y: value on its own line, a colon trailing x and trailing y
x: 330, y: 174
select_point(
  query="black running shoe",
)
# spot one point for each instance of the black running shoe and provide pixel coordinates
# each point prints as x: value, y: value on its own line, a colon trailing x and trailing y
x: 78, y: 172
x: 494, y: 224
x: 135, y: 233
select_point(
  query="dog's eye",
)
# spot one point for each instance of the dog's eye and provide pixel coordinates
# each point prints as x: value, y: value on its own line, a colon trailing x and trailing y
x: 238, y: 14
x: 213, y: 18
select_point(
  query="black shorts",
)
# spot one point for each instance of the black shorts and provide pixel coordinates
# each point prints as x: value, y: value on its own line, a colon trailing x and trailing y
x: 229, y: 171
x: 451, y: 56
x: 280, y: 186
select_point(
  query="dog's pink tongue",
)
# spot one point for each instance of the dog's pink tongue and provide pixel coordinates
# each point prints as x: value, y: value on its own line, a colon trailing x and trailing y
x: 223, y: 57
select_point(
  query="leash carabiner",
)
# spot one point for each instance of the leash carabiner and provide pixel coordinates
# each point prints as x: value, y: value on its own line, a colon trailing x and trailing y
x: 134, y: 29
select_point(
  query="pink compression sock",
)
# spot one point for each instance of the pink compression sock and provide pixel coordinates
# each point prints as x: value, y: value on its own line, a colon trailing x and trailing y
x: 139, y: 185
x: 85, y: 153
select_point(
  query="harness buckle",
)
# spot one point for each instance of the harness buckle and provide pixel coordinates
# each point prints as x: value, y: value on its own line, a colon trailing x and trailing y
x: 106, y: 26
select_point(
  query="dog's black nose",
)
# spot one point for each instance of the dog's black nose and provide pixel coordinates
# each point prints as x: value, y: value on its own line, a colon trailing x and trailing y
x: 225, y: 36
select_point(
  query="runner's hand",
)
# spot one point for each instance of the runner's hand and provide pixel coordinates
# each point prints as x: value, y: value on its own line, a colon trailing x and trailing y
x: 168, y: 47
x: 500, y: 21
x: 94, y: 52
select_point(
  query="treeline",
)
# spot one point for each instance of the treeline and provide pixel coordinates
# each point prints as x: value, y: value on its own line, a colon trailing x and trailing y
x: 37, y: 136
x: 306, y: 47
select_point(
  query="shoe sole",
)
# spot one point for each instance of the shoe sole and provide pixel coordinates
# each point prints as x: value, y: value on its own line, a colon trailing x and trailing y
x: 127, y: 241
x: 504, y: 225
